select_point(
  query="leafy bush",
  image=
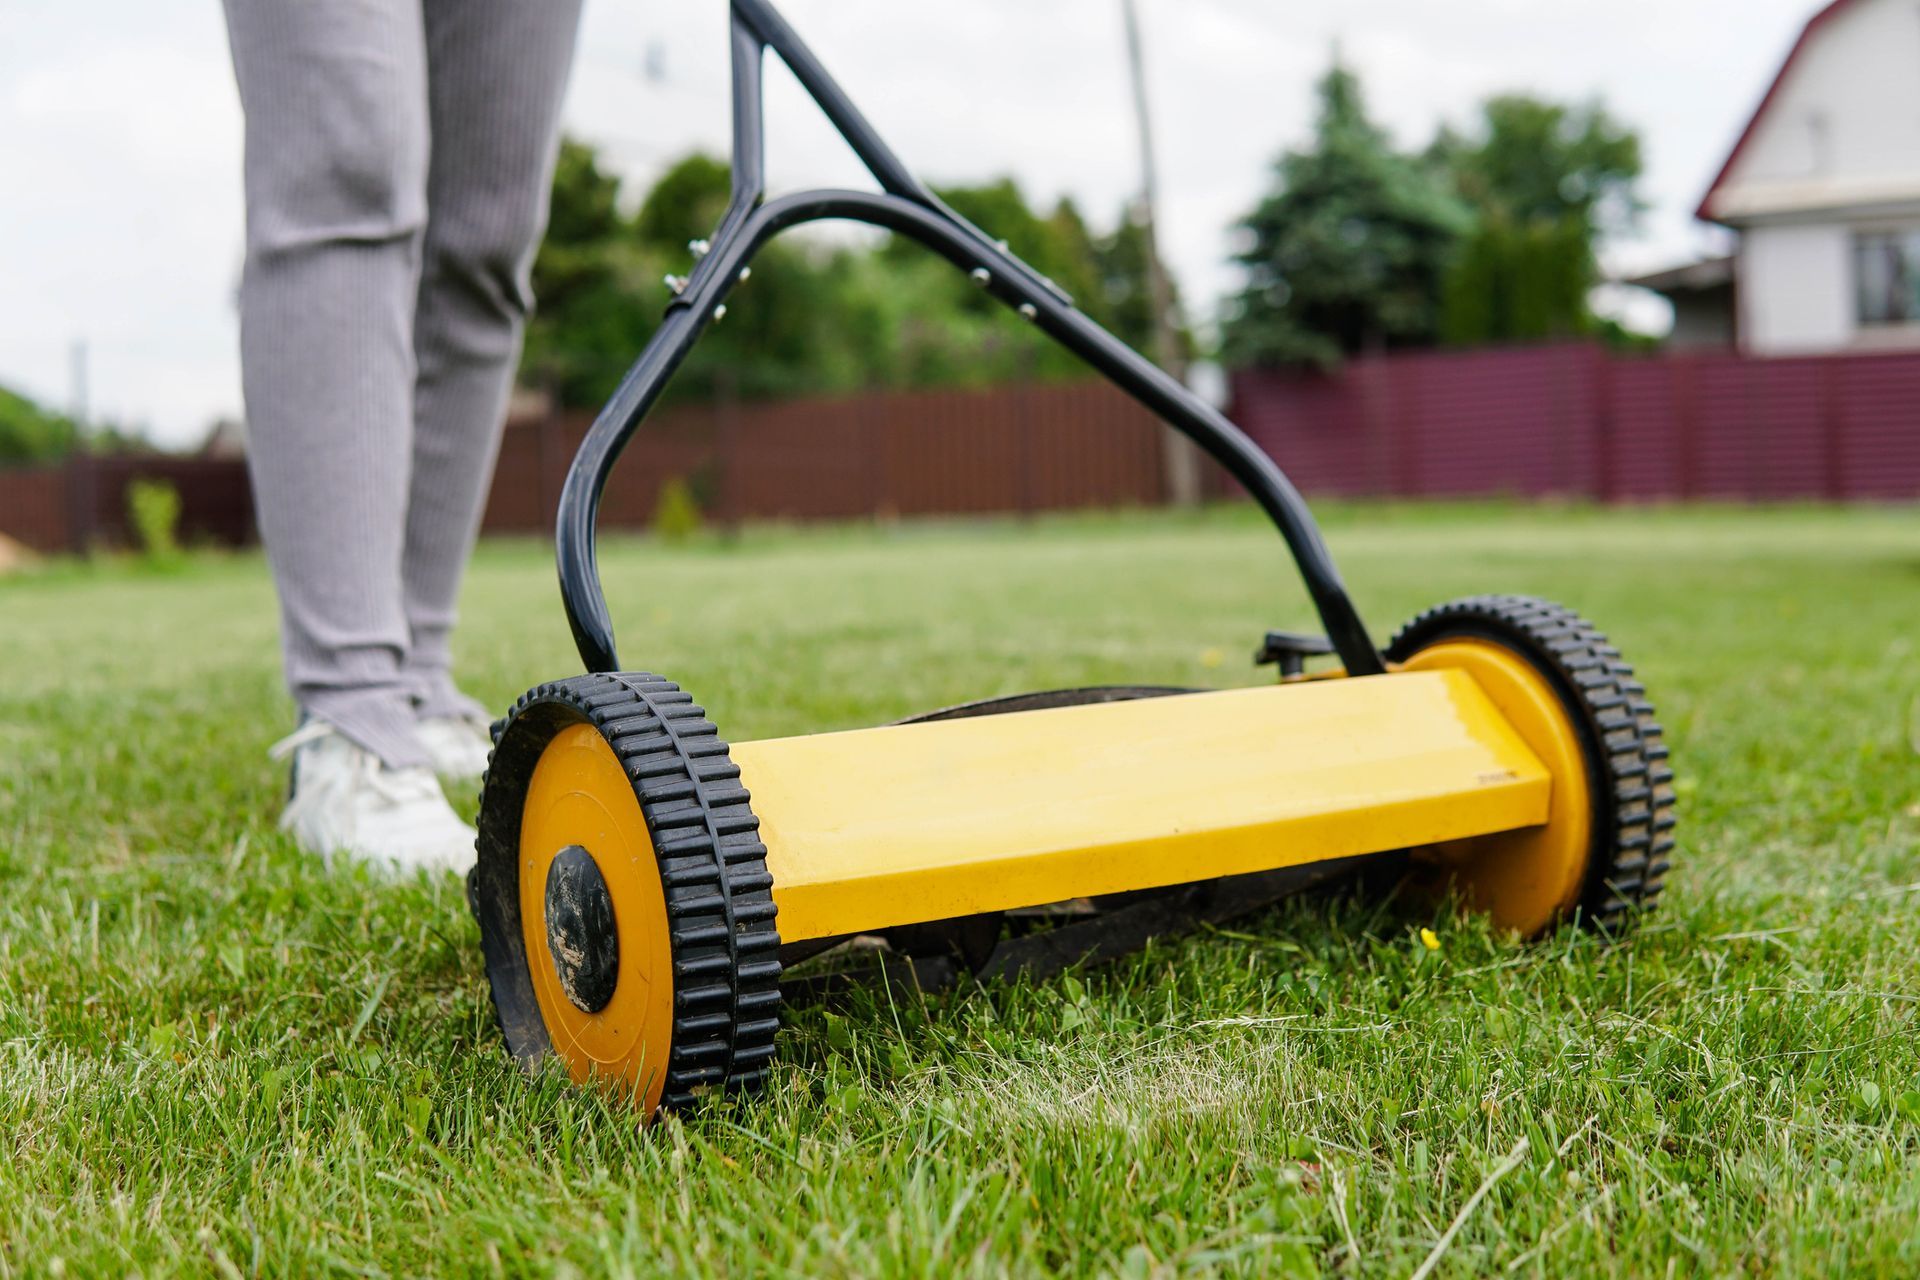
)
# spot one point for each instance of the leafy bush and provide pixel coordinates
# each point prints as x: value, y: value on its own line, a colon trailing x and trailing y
x: 818, y: 314
x: 29, y: 433
x: 676, y: 516
x: 153, y: 506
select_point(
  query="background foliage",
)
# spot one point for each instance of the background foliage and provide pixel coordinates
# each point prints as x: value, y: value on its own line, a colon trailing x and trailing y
x: 29, y: 433
x: 1487, y: 235
x: 821, y: 311
x: 1548, y: 181
x: 1348, y: 251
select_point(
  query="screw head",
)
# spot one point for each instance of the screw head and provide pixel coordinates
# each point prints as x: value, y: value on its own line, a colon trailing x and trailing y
x: 699, y: 247
x: 981, y: 276
x: 720, y: 313
x: 1028, y: 310
x: 676, y: 283
x: 744, y: 273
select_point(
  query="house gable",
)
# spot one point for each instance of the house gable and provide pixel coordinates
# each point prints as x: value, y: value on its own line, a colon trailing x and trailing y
x: 1838, y: 131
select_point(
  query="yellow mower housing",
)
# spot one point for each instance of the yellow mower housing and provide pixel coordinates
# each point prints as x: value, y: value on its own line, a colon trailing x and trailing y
x: 640, y: 880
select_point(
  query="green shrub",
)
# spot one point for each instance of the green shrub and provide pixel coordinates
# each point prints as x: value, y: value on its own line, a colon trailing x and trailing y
x: 153, y: 507
x: 676, y: 516
x: 29, y: 433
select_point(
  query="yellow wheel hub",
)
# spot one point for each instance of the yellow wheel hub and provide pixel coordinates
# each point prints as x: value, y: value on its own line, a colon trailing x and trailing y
x: 1526, y: 880
x: 579, y: 796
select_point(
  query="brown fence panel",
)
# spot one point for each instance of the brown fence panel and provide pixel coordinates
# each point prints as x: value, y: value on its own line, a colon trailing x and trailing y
x: 1574, y: 419
x: 34, y: 507
x: 521, y: 498
x: 1877, y: 427
x: 216, y: 498
x: 1556, y: 419
x: 1038, y: 447
x: 1329, y: 434
x: 1787, y: 429
x: 82, y: 503
x: 801, y: 460
x: 1535, y: 436
x: 1646, y: 446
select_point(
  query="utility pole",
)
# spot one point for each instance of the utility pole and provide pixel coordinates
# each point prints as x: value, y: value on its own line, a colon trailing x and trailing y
x: 1182, y: 458
x: 79, y: 394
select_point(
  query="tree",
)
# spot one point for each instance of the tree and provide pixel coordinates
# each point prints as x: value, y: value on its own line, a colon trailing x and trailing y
x: 1125, y: 291
x: 1549, y: 181
x: 599, y: 284
x: 29, y: 433
x: 1538, y: 160
x: 1513, y: 280
x: 597, y: 290
x: 951, y: 333
x: 785, y: 332
x: 816, y: 314
x: 1347, y: 252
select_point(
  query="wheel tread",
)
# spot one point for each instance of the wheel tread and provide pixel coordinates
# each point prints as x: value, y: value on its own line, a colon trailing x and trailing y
x: 1636, y: 807
x: 720, y: 909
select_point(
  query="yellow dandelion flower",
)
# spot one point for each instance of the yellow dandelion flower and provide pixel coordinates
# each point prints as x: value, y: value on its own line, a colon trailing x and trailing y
x: 1429, y: 939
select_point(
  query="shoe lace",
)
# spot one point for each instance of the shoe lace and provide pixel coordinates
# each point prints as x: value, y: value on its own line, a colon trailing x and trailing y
x: 397, y: 786
x: 466, y: 720
x: 311, y: 731
x: 400, y: 786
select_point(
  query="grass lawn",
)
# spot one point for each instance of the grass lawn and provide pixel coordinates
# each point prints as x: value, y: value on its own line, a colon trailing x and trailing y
x: 217, y: 1058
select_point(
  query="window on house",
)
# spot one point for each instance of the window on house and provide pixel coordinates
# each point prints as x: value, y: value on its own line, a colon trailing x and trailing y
x: 1886, y: 272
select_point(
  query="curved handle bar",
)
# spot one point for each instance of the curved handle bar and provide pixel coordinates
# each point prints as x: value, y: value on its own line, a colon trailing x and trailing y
x: 905, y: 206
x: 1246, y: 462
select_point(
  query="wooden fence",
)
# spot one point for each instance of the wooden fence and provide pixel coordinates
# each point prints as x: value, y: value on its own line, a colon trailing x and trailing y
x: 1563, y: 419
x: 1039, y: 447
x: 1045, y: 447
x: 1573, y: 419
x: 82, y: 502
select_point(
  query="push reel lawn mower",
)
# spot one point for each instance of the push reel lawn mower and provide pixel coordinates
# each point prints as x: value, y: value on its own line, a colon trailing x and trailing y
x: 641, y: 882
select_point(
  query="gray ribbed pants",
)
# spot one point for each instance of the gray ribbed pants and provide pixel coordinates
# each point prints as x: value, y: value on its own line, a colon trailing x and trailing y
x: 398, y: 158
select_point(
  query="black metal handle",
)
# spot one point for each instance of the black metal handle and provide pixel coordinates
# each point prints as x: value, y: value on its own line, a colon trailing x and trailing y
x: 906, y: 207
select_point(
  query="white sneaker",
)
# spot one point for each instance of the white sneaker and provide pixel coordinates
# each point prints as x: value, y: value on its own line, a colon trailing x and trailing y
x: 347, y: 801
x: 459, y: 745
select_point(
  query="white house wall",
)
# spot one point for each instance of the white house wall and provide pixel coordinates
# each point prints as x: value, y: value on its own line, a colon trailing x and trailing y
x: 1844, y: 126
x: 1834, y: 152
x: 1795, y: 288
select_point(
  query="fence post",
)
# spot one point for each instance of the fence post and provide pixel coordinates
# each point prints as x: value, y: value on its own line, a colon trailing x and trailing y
x: 1686, y: 426
x: 1403, y: 424
x: 82, y: 517
x: 1023, y: 429
x: 1364, y: 380
x: 1832, y: 426
x: 874, y: 428
x: 727, y: 501
x: 1603, y: 425
x: 550, y: 457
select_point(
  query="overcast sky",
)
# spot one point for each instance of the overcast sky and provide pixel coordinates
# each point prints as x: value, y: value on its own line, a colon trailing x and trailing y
x: 120, y: 208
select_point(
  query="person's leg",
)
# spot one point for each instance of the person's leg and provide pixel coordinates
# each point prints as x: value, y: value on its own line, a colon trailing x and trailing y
x: 336, y: 176
x: 496, y: 73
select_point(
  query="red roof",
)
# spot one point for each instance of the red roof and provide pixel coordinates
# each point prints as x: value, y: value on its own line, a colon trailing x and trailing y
x: 1753, y: 122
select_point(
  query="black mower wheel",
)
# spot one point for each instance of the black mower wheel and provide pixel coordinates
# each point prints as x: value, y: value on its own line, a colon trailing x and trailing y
x: 625, y: 907
x: 1628, y: 775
